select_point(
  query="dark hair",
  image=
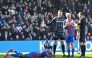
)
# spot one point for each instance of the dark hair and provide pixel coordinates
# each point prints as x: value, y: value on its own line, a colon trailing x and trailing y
x: 22, y: 56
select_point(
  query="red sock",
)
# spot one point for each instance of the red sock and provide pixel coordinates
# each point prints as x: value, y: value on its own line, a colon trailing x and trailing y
x: 6, y: 55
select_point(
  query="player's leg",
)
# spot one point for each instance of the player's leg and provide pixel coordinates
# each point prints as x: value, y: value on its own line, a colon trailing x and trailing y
x: 79, y: 49
x: 68, y: 45
x: 14, y: 55
x: 54, y: 47
x: 55, y: 44
x: 17, y: 54
x: 6, y: 55
x: 82, y: 45
x: 83, y: 49
x: 63, y: 45
x: 72, y: 44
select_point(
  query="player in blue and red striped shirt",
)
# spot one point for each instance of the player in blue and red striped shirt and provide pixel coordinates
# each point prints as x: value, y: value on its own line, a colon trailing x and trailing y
x: 29, y: 55
x: 69, y: 26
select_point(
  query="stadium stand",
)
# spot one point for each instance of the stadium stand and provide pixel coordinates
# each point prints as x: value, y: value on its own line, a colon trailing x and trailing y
x: 25, y: 19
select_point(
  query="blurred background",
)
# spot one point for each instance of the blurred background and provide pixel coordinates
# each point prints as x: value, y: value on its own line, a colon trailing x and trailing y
x: 25, y: 19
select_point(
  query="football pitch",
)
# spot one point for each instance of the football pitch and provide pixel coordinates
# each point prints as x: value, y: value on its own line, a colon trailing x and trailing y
x: 58, y: 55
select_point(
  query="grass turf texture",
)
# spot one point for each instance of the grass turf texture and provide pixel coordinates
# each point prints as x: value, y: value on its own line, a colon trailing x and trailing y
x: 58, y: 55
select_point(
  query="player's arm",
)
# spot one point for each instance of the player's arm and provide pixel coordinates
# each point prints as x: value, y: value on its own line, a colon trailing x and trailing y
x: 77, y: 35
x: 74, y: 24
x: 64, y: 24
x: 86, y: 30
x: 45, y: 45
x: 52, y: 21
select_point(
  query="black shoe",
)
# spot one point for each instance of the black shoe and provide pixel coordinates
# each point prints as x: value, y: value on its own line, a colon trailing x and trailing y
x: 53, y: 55
x: 64, y: 55
x: 82, y: 57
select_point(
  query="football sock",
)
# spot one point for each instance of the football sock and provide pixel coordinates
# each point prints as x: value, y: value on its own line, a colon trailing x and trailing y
x: 54, y: 49
x: 68, y: 52
x: 84, y: 49
x: 72, y: 51
x: 63, y: 48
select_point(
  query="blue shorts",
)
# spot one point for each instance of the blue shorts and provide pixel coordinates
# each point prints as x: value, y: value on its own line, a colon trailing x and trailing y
x: 30, y: 54
x: 69, y: 38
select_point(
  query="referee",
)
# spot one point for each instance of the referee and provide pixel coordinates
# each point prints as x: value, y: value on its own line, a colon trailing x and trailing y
x: 82, y: 24
x: 59, y: 31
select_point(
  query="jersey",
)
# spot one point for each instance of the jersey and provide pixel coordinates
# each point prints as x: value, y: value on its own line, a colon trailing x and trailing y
x: 38, y: 55
x: 82, y: 24
x: 86, y: 28
x: 70, y: 31
x: 58, y: 23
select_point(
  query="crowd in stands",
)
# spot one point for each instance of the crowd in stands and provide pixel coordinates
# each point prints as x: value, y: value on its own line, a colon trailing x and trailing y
x: 25, y: 19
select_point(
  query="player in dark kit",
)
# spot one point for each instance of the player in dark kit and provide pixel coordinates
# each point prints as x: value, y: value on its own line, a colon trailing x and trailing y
x: 59, y: 31
x: 82, y: 24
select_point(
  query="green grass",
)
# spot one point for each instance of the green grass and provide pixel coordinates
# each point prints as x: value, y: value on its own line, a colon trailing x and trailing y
x: 58, y: 55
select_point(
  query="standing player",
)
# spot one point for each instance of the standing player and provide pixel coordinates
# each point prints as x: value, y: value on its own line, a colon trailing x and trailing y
x: 59, y: 31
x: 82, y: 24
x: 70, y: 26
x: 29, y: 55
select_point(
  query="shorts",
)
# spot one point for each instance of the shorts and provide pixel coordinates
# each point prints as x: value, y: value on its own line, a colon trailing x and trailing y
x: 69, y: 38
x: 82, y: 38
x: 59, y: 36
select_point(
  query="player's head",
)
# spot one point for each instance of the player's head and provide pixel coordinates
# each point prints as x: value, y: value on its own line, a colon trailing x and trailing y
x: 68, y: 16
x: 80, y: 14
x: 59, y: 13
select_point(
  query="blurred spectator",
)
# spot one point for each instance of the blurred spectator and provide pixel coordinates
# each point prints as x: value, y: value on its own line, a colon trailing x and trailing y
x: 49, y: 36
x: 10, y: 36
x: 26, y: 19
x: 34, y: 36
x: 44, y: 37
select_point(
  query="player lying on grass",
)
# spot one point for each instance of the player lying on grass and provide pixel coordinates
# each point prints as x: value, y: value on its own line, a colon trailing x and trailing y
x: 46, y: 53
